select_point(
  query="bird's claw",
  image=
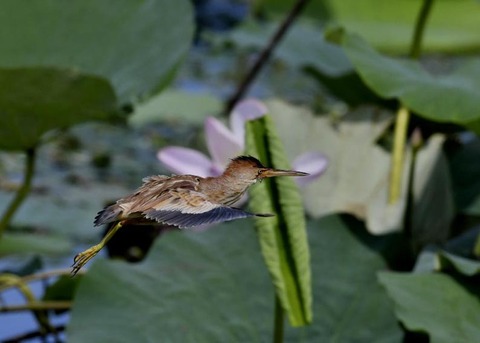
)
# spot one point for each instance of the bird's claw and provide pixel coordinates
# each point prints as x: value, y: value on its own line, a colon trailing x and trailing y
x: 82, y: 258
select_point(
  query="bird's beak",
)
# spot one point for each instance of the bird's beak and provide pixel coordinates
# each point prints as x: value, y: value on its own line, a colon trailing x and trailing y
x: 269, y: 172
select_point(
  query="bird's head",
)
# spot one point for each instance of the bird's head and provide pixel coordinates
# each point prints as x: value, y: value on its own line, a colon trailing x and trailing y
x: 248, y: 168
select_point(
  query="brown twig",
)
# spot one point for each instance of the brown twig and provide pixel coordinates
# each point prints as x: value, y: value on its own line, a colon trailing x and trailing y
x: 38, y: 306
x: 265, y: 54
x: 38, y: 276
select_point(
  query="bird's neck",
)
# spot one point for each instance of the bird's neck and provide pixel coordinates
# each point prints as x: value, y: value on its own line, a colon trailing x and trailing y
x: 224, y: 189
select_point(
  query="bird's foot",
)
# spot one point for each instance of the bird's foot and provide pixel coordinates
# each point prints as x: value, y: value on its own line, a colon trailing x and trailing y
x: 82, y: 258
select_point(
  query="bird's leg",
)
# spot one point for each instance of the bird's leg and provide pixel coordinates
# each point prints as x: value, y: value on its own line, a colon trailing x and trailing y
x: 82, y: 258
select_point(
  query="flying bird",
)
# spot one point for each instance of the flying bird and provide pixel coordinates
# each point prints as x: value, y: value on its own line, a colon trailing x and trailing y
x: 184, y: 201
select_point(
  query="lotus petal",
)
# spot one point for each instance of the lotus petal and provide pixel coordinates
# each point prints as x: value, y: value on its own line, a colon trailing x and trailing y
x: 311, y: 162
x: 186, y: 161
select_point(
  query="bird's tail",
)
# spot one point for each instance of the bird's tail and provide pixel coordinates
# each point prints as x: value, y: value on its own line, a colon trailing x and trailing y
x: 107, y: 215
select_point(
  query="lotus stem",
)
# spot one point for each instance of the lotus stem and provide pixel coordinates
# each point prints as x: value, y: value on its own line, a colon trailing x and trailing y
x: 403, y: 114
x: 22, y: 191
x: 278, y: 322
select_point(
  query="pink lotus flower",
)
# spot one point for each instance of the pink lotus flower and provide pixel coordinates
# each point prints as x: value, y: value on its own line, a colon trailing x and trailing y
x: 224, y: 143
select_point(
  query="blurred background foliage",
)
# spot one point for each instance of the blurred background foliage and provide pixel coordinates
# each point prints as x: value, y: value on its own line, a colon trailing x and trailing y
x: 90, y: 90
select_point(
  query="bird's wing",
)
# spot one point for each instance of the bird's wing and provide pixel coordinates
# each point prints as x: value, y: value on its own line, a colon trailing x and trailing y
x: 145, y: 193
x: 185, y: 220
x: 155, y: 190
x: 176, y: 201
x: 188, y: 208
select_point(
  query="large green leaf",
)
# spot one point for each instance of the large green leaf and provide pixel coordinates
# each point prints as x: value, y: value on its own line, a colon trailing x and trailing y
x: 283, y: 239
x: 349, y: 304
x: 36, y: 100
x: 461, y: 264
x: 388, y: 25
x: 27, y: 243
x: 302, y: 46
x: 175, y: 105
x: 348, y: 87
x: 62, y: 289
x: 436, y: 304
x: 210, y: 287
x: 135, y: 45
x: 453, y: 98
x: 432, y: 259
x: 68, y: 62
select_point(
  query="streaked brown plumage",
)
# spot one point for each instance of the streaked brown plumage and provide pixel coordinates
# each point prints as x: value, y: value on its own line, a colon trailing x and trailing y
x: 184, y: 200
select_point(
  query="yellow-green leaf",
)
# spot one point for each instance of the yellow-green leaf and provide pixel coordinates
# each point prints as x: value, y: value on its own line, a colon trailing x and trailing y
x: 283, y: 239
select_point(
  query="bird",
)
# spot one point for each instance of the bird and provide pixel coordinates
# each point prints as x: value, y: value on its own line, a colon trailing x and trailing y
x: 184, y: 201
